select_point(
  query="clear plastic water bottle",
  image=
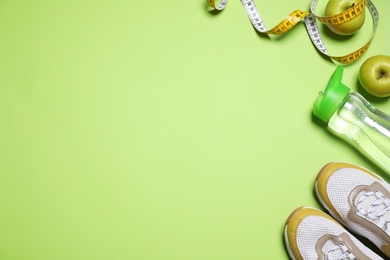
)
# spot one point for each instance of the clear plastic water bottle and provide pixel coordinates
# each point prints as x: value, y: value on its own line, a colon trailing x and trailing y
x: 354, y: 119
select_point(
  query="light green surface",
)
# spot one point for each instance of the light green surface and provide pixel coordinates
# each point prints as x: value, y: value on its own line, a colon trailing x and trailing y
x: 160, y: 130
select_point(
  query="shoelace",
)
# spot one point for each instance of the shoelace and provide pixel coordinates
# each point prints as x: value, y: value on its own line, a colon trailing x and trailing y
x: 346, y: 254
x: 375, y: 212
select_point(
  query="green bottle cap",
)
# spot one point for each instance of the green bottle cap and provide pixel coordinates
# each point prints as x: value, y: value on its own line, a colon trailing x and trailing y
x: 332, y: 98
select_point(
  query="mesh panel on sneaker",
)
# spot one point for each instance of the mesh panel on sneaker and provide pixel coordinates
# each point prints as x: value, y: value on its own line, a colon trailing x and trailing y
x: 312, y: 228
x: 340, y: 185
x: 339, y: 188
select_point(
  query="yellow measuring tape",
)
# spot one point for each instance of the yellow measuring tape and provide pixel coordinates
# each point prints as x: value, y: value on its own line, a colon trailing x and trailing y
x: 310, y: 19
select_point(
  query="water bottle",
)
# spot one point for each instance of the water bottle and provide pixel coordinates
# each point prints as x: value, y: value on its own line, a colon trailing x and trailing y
x: 353, y: 118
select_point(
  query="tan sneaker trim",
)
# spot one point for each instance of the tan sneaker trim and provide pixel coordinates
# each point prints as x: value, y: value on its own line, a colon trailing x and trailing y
x: 342, y: 238
x: 352, y: 213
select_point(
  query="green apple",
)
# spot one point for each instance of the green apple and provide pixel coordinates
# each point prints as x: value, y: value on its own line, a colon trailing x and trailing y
x: 348, y: 28
x: 374, y: 75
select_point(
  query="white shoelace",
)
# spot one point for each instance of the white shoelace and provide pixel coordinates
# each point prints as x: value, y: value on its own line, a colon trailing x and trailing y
x: 375, y: 210
x: 334, y: 253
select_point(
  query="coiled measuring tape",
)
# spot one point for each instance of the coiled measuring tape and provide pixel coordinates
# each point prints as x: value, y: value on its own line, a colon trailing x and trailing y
x: 310, y: 19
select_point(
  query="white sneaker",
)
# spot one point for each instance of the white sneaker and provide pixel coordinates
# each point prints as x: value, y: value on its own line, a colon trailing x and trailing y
x: 357, y: 198
x: 310, y: 234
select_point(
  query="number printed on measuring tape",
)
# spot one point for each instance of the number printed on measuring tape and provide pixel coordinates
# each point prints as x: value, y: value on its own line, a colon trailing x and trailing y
x: 310, y: 19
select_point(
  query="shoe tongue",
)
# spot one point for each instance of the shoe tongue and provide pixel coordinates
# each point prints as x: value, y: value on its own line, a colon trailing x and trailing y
x: 334, y: 250
x: 386, y: 216
x: 365, y: 202
x: 375, y: 207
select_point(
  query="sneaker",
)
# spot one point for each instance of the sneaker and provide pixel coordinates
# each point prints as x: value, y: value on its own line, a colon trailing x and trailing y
x: 312, y: 234
x: 357, y: 198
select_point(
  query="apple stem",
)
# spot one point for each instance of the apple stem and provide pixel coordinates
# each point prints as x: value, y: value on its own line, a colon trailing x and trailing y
x: 382, y: 74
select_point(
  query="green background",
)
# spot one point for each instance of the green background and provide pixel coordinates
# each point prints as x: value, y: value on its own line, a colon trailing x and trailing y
x: 162, y: 129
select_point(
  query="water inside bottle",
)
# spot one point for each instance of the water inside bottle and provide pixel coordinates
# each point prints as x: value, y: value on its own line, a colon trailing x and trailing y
x: 364, y: 127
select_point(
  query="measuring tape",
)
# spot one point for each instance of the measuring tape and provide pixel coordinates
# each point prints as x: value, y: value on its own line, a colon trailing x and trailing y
x: 310, y: 19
